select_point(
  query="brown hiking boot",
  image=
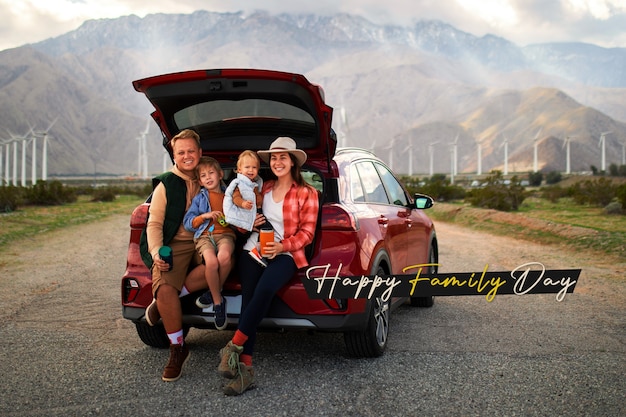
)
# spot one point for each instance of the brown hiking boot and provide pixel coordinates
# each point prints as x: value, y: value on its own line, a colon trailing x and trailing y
x: 152, y: 313
x: 242, y: 382
x: 229, y: 360
x: 174, y: 368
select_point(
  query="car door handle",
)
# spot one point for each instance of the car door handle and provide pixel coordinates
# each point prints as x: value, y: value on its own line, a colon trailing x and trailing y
x: 383, y: 220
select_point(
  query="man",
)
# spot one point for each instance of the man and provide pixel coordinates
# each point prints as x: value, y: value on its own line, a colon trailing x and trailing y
x: 172, y: 195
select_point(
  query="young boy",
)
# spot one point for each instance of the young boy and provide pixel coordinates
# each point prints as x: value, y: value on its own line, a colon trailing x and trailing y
x: 214, y: 240
x: 243, y: 199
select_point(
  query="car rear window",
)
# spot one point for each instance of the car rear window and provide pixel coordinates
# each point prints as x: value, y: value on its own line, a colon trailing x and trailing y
x: 223, y: 110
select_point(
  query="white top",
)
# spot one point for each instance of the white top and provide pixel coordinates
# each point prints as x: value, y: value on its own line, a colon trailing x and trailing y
x: 273, y: 212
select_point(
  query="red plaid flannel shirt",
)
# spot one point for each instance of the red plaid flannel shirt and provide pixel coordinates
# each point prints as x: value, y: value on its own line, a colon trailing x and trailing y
x: 300, y: 210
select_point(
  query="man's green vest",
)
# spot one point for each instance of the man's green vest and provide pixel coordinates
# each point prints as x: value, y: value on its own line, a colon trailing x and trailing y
x: 176, y: 194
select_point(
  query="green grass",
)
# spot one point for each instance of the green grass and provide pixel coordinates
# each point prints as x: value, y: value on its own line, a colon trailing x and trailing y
x: 31, y: 220
x: 539, y: 220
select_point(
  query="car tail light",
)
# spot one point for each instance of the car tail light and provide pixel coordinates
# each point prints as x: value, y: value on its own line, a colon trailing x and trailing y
x: 335, y: 217
x: 131, y: 290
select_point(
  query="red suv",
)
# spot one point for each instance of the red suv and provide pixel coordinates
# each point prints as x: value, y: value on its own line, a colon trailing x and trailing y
x: 368, y: 224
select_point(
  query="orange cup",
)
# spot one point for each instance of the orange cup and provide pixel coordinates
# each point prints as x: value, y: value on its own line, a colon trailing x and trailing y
x: 265, y: 235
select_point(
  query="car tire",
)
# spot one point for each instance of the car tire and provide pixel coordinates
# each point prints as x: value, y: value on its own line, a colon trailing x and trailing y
x: 428, y: 301
x: 372, y: 341
x: 155, y: 336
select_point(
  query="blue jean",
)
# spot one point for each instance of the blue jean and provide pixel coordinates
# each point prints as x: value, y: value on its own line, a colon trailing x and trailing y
x: 259, y: 285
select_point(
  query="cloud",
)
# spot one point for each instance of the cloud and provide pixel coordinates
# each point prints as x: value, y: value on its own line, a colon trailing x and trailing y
x: 521, y: 21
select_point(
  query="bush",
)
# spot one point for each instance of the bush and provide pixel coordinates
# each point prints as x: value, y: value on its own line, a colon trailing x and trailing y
x: 553, y: 177
x: 613, y: 208
x: 599, y: 192
x: 10, y: 198
x: 438, y: 187
x: 103, y: 194
x: 497, y: 195
x: 554, y: 193
x: 535, y: 178
x: 53, y: 193
x: 620, y: 193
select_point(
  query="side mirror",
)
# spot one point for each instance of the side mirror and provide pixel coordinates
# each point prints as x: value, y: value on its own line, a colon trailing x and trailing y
x: 423, y: 201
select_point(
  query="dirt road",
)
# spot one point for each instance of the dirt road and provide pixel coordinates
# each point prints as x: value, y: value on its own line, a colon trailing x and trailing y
x: 67, y: 351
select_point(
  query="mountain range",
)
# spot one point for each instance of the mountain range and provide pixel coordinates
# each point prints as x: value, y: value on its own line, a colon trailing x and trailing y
x: 406, y: 92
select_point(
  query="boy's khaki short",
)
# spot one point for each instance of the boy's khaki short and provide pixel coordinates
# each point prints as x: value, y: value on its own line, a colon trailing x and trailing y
x: 204, y: 242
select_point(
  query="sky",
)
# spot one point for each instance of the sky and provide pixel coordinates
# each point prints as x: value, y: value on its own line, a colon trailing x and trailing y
x: 599, y: 22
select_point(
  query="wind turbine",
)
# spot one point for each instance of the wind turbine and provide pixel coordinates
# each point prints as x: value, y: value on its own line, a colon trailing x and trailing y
x: 345, y: 129
x: 33, y: 162
x: 455, y: 155
x: 431, y: 153
x: 390, y: 147
x: 602, y: 144
x: 505, y: 144
x: 566, y: 145
x: 479, y: 164
x: 14, y: 140
x: 44, y: 151
x: 166, y: 156
x: 535, y: 144
x: 24, y: 143
x: 452, y: 162
x: 2, y: 178
x: 410, y: 149
x: 142, y: 156
x: 7, y: 177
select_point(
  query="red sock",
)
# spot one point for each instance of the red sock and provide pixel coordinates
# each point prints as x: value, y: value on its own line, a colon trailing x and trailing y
x: 246, y: 359
x: 239, y: 338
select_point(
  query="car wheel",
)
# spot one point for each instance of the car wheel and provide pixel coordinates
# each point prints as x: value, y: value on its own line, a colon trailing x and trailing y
x: 372, y: 341
x: 155, y: 336
x: 428, y: 301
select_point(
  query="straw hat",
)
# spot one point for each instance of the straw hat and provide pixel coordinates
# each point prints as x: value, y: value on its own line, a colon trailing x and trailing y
x: 283, y: 144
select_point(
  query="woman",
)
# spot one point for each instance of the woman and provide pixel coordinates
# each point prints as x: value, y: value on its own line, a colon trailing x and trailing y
x: 291, y: 206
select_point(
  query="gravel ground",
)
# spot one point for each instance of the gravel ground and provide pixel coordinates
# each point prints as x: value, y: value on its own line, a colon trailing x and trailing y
x: 67, y: 351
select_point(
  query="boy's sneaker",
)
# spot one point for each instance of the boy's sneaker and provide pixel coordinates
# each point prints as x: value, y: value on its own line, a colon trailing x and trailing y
x: 174, y: 368
x: 220, y: 315
x: 205, y: 300
x: 242, y: 382
x: 152, y: 313
x: 254, y: 254
x: 229, y: 360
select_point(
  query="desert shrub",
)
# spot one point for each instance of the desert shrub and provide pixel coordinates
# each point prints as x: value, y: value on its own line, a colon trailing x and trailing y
x: 438, y: 187
x: 620, y: 193
x: 106, y: 194
x: 554, y: 193
x: 598, y: 192
x: 10, y: 198
x: 535, y: 179
x: 613, y: 208
x: 497, y: 195
x: 553, y: 177
x: 51, y: 193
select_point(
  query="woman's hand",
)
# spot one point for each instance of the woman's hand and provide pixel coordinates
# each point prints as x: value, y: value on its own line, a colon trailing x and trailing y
x: 258, y: 220
x: 272, y: 249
